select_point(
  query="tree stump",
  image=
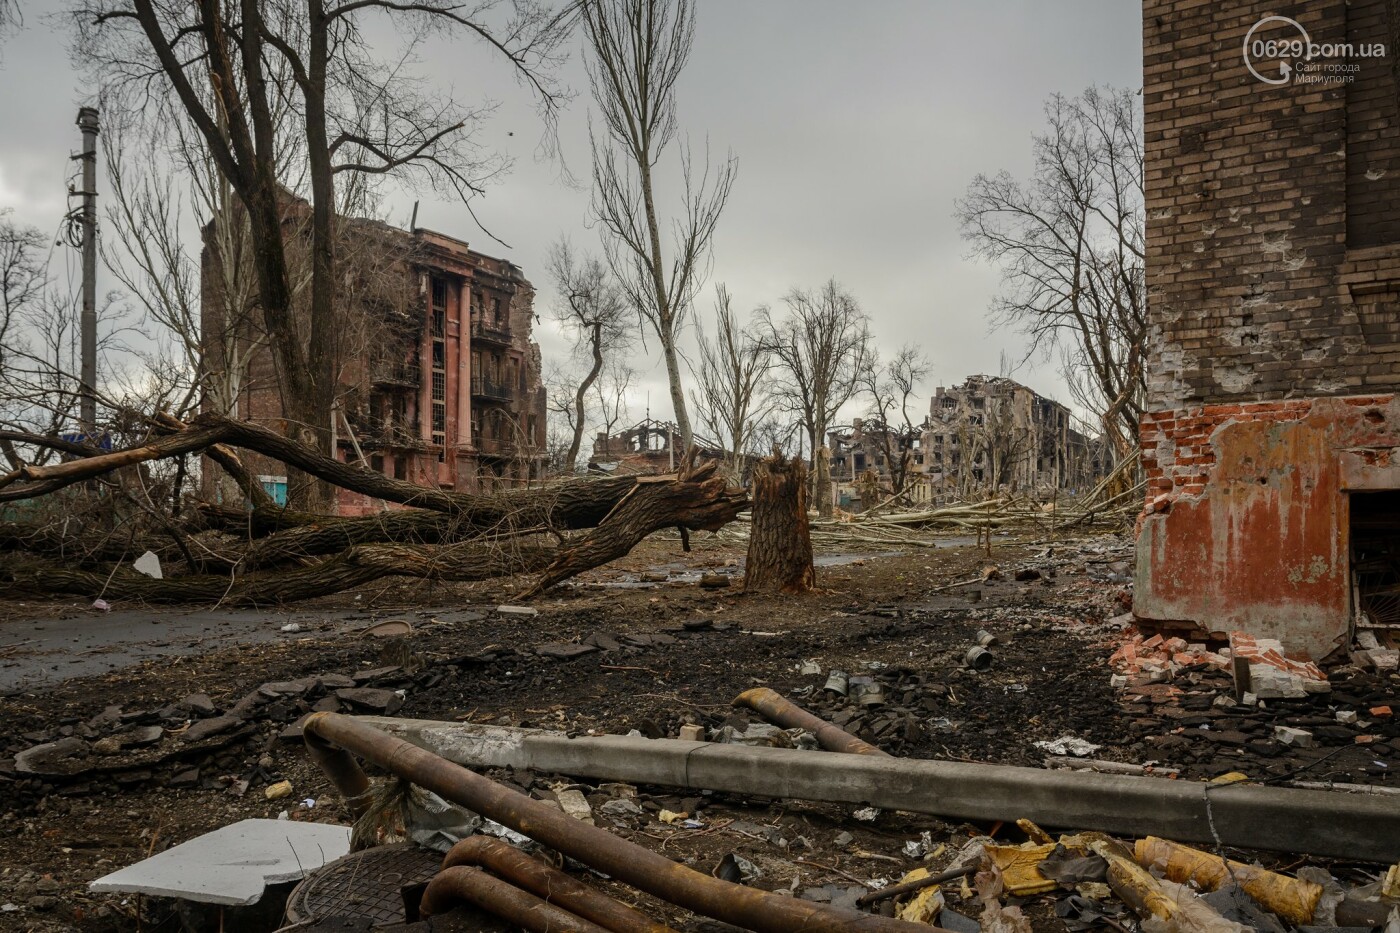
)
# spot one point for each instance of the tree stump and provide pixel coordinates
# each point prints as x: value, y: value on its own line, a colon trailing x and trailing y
x: 780, y: 544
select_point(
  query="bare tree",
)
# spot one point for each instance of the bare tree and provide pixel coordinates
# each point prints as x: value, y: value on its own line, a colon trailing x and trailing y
x: 639, y: 49
x: 733, y: 382
x: 891, y: 388
x: 822, y: 348
x: 355, y: 117
x: 612, y: 390
x: 1070, y: 245
x: 23, y: 275
x: 11, y: 18
x: 593, y: 311
x: 569, y: 409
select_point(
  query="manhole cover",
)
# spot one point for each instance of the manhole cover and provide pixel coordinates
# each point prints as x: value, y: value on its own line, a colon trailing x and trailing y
x: 363, y: 885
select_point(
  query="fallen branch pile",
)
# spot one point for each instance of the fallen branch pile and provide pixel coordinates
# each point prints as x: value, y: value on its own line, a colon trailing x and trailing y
x: 1114, y: 501
x: 267, y: 554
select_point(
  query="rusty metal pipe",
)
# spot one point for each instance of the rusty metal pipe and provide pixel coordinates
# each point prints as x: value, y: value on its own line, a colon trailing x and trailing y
x: 473, y: 886
x: 545, y: 881
x: 783, y: 712
x: 760, y: 911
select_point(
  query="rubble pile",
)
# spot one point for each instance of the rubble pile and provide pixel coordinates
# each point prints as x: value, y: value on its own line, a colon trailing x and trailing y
x: 1248, y: 708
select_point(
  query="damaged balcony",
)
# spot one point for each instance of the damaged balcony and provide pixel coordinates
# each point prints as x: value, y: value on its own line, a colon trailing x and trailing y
x: 490, y: 390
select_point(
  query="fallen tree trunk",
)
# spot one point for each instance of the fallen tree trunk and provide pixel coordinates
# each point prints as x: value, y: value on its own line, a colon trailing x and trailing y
x: 282, y: 556
x: 565, y: 505
x: 354, y: 567
x: 697, y: 500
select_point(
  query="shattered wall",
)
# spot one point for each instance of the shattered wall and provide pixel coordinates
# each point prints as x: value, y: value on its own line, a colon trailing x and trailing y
x: 1273, y: 291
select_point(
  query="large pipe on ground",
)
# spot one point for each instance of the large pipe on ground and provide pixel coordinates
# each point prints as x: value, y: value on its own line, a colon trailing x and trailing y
x: 463, y: 884
x: 783, y: 712
x: 331, y: 738
x: 545, y: 881
x: 1308, y: 822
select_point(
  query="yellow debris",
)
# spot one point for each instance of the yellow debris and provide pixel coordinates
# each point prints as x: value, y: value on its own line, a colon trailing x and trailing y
x: 1036, y: 834
x: 925, y: 905
x: 1232, y: 777
x: 1293, y: 899
x: 1020, y: 868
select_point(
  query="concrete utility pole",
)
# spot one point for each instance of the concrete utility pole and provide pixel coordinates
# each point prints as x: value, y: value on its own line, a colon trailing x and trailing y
x: 87, y: 121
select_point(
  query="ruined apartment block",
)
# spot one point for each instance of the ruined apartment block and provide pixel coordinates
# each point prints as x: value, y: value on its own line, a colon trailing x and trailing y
x: 441, y: 381
x: 992, y: 432
x: 989, y: 433
x: 1273, y: 269
x: 870, y: 447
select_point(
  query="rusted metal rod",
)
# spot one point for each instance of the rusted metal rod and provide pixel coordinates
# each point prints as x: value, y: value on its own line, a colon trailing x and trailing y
x: 908, y: 887
x: 760, y: 911
x: 473, y: 886
x: 783, y: 712
x: 530, y: 874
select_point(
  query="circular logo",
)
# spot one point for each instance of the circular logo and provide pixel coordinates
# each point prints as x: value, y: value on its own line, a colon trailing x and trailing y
x: 1266, y: 50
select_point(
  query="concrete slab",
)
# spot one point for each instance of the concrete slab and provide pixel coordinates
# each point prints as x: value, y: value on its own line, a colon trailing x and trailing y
x: 234, y: 864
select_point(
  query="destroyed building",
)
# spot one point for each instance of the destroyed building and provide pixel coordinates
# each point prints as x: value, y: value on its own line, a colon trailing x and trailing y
x: 874, y: 458
x: 649, y: 446
x: 991, y: 432
x: 1273, y: 272
x: 440, y: 384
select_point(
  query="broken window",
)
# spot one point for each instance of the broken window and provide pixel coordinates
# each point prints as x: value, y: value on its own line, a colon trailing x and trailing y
x: 1375, y: 557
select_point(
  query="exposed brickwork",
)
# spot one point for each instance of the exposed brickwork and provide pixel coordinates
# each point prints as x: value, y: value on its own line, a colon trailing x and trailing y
x: 1247, y: 220
x: 1273, y: 275
x: 1177, y: 455
x: 440, y: 382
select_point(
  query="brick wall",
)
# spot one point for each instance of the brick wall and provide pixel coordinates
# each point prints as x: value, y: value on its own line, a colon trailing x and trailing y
x: 1273, y: 274
x: 1247, y: 221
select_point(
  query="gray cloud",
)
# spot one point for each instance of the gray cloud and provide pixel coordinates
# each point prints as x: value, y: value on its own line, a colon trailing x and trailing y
x: 855, y: 125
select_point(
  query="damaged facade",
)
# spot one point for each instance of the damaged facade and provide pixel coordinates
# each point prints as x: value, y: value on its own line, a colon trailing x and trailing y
x: 441, y: 378
x: 989, y: 433
x: 1273, y: 264
x: 992, y: 432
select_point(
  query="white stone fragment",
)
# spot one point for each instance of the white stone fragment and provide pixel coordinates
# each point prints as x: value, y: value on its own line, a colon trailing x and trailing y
x: 233, y: 864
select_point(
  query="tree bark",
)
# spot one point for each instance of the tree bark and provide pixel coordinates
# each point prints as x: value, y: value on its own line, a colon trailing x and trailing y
x: 698, y: 499
x: 780, y: 544
x: 821, y: 483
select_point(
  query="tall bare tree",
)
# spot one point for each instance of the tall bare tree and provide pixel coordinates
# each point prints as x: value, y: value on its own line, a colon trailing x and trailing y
x: 822, y: 351
x: 355, y: 117
x: 1070, y: 245
x: 638, y: 50
x: 732, y: 397
x: 593, y: 310
x: 891, y: 389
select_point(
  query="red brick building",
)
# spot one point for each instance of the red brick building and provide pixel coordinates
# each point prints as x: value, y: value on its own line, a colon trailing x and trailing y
x: 440, y: 382
x: 1272, y: 441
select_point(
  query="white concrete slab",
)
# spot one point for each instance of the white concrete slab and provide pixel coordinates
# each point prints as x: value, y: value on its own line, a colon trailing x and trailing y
x: 234, y: 864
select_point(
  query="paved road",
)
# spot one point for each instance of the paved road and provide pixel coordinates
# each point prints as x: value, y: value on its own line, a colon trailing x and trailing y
x: 41, y: 652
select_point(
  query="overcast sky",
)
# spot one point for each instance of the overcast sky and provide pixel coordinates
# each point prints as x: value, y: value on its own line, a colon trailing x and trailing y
x: 855, y: 125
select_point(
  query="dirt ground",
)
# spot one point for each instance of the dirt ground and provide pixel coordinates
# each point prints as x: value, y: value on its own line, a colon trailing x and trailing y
x: 662, y: 655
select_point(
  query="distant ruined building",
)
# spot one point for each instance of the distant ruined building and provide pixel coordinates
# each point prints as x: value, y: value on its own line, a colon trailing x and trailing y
x: 990, y: 434
x: 440, y: 384
x: 994, y: 433
x: 649, y: 446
